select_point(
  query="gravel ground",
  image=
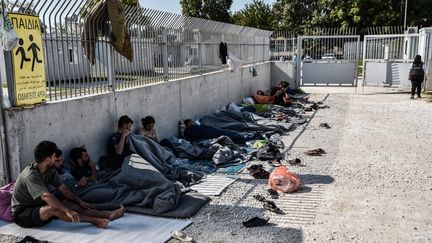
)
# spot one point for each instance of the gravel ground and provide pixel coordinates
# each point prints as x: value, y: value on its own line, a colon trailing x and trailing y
x: 374, y: 184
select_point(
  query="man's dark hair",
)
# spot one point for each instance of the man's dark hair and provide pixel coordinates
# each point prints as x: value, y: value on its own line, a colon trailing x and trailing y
x: 417, y: 60
x: 284, y: 84
x: 147, y: 120
x: 124, y: 120
x: 76, y: 154
x: 187, y: 121
x: 58, y: 153
x: 43, y: 150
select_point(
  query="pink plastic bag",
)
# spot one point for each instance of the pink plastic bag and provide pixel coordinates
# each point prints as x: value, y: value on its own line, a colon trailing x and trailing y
x: 282, y: 180
x: 5, y: 202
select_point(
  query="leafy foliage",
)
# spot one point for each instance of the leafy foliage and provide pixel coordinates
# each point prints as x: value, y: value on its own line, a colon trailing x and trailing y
x: 218, y: 10
x: 257, y: 14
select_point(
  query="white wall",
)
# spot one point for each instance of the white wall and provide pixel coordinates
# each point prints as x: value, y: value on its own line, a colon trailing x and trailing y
x: 91, y: 120
x: 283, y: 71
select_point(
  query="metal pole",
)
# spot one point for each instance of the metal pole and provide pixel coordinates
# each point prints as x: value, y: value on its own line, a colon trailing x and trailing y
x: 298, y: 60
x: 165, y: 54
x: 405, y: 16
x: 199, y: 41
x: 4, y: 157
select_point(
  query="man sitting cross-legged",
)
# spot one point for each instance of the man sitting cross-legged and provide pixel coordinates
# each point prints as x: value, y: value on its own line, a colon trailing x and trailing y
x: 34, y: 206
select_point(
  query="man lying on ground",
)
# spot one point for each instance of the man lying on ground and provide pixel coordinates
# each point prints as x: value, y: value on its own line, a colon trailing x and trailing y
x: 195, y: 132
x: 34, y: 206
x: 118, y: 148
x: 278, y: 96
x: 83, y: 169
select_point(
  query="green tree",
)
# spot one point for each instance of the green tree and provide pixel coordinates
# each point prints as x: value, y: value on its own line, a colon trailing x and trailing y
x: 419, y: 13
x: 295, y: 15
x: 192, y: 8
x: 217, y: 10
x: 257, y: 14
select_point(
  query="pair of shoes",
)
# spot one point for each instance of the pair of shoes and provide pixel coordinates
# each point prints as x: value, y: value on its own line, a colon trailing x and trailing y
x: 181, y: 236
x: 256, y: 221
x: 257, y: 171
x: 412, y: 97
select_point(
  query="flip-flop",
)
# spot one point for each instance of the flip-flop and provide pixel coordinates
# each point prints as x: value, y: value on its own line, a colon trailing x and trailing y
x: 295, y: 161
x: 315, y: 152
x: 273, y: 193
x: 325, y: 125
x: 181, y: 236
x: 259, y: 198
x: 256, y: 221
x: 271, y: 206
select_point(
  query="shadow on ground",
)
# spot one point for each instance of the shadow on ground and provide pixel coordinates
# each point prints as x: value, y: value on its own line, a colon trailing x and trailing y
x: 225, y: 224
x: 316, y: 179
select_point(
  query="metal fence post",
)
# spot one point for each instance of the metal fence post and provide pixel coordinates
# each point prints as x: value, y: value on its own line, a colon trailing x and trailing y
x: 254, y: 51
x: 298, y: 60
x: 241, y: 47
x: 199, y: 42
x: 111, y: 70
x: 165, y: 54
x: 9, y: 77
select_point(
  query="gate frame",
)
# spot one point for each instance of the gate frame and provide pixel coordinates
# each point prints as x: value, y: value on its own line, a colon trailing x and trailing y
x: 299, y: 76
x: 405, y: 35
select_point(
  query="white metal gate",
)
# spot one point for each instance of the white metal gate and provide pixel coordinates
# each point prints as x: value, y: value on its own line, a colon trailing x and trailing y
x: 386, y: 58
x: 328, y: 60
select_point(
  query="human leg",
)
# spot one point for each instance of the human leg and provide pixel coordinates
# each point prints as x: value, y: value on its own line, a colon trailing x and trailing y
x: 47, y: 212
x: 30, y: 218
x: 413, y: 88
x: 111, y: 215
x: 419, y: 84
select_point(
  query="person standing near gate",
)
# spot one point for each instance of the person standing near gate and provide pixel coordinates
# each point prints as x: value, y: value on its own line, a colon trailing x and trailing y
x: 417, y: 74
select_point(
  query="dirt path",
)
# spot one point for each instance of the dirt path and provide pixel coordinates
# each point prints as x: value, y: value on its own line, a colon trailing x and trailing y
x: 374, y: 183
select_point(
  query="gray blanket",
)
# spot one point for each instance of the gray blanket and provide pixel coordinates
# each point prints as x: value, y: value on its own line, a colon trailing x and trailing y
x: 243, y: 122
x: 141, y: 187
x: 162, y: 160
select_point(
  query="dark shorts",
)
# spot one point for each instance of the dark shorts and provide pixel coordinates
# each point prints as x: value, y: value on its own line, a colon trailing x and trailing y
x: 30, y: 218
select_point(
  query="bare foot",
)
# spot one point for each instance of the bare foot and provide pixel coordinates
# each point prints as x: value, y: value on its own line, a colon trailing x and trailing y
x: 100, y: 223
x: 117, y: 213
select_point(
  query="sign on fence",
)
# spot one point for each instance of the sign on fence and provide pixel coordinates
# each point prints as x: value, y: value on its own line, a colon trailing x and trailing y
x: 27, y: 60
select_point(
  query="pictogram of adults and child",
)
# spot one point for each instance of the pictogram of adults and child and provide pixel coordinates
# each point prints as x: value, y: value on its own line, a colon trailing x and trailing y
x: 34, y: 49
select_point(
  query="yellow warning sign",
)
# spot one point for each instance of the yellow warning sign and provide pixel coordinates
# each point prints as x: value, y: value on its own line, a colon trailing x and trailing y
x: 28, y: 61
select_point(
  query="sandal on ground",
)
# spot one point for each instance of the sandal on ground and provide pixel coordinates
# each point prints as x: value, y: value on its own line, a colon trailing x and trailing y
x: 315, y: 152
x: 256, y: 221
x: 271, y: 206
x: 325, y: 125
x: 259, y: 198
x: 273, y: 193
x: 295, y: 161
x: 181, y: 236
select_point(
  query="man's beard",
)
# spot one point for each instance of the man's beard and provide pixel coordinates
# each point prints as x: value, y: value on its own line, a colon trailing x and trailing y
x: 60, y: 169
